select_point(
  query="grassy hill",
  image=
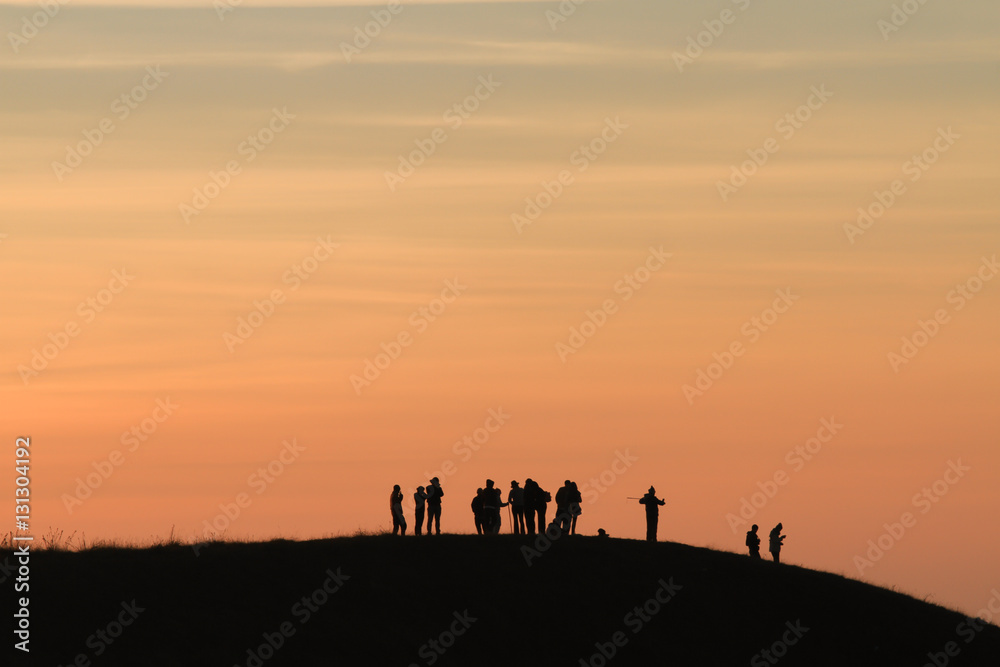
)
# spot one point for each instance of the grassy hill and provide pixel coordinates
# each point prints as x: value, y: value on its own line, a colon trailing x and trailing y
x: 468, y: 600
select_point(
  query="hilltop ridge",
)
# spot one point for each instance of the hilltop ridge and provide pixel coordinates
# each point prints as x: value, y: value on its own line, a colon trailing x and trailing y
x: 470, y: 600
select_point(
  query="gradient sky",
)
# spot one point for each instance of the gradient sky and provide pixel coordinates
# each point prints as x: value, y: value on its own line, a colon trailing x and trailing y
x: 495, y: 346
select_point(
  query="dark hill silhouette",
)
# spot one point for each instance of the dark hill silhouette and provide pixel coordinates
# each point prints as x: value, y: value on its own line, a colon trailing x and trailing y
x: 212, y: 608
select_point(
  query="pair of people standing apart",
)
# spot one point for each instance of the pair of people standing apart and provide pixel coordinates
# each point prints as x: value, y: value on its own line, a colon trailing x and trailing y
x: 775, y: 540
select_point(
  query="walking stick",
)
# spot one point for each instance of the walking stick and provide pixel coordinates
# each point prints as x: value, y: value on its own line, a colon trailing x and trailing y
x: 510, y: 518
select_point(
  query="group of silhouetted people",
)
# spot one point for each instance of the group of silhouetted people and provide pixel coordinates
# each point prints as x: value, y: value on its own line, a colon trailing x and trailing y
x: 425, y: 500
x: 528, y: 506
x: 775, y: 540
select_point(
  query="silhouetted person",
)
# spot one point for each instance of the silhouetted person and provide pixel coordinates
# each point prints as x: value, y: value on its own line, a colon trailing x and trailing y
x: 531, y: 491
x: 491, y: 508
x: 515, y: 498
x: 652, y: 504
x: 396, y: 507
x: 753, y: 542
x: 542, y: 500
x: 776, y: 540
x: 434, y: 494
x: 575, y: 508
x: 419, y: 499
x: 601, y: 533
x: 477, y: 510
x: 562, y: 506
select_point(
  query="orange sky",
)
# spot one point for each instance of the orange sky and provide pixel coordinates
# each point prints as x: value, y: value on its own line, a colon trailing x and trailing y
x: 309, y: 219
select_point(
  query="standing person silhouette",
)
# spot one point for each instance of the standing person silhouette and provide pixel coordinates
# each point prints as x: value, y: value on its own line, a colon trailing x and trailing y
x: 652, y: 504
x: 575, y: 509
x: 515, y: 498
x: 753, y: 542
x: 477, y: 511
x: 531, y: 492
x: 542, y: 499
x: 563, y: 517
x: 419, y: 498
x: 396, y: 507
x: 492, y: 503
x: 434, y: 493
x: 776, y: 540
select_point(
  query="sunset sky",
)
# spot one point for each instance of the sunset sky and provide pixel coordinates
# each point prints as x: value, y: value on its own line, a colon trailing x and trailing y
x: 171, y: 169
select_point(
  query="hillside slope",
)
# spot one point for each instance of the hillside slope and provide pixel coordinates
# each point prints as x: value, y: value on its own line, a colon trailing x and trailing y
x: 481, y: 603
